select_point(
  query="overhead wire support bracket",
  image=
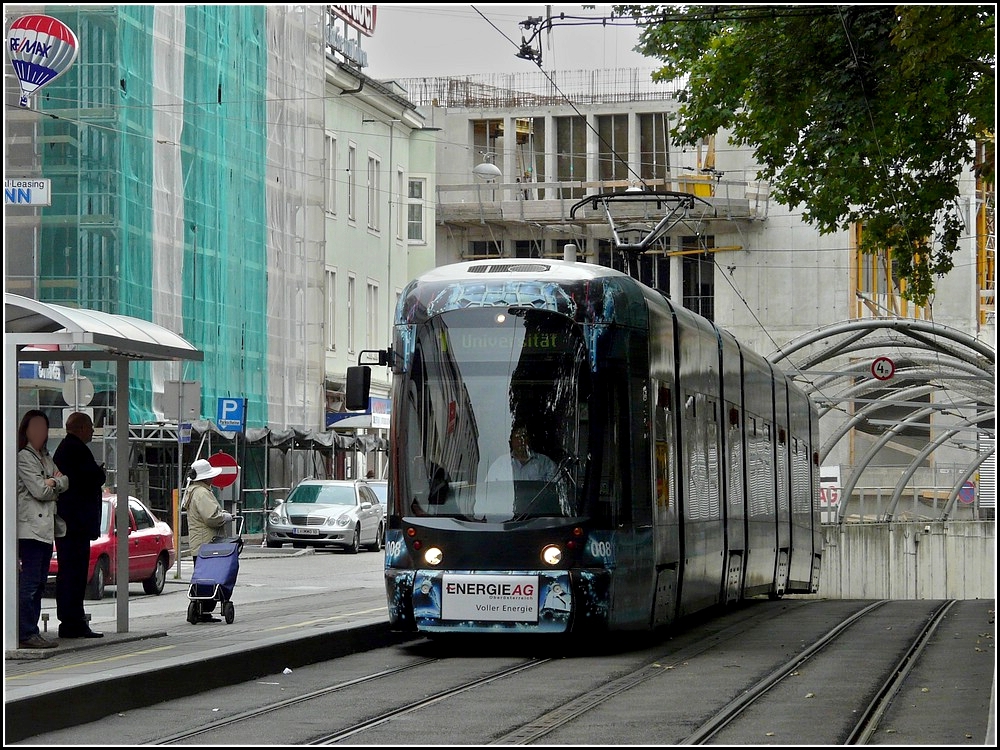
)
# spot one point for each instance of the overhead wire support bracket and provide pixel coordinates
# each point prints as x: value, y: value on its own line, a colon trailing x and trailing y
x: 677, y: 206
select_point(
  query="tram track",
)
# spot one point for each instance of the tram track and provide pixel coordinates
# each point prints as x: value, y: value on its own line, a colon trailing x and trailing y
x: 523, y: 735
x: 260, y: 711
x: 871, y: 718
x: 344, y: 733
x: 746, y: 677
x: 862, y: 732
x: 733, y: 709
x: 334, y: 737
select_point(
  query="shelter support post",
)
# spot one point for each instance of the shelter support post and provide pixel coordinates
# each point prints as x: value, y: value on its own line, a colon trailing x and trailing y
x: 123, y: 490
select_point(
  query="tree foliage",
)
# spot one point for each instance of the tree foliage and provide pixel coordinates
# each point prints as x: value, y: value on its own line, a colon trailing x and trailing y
x: 857, y: 113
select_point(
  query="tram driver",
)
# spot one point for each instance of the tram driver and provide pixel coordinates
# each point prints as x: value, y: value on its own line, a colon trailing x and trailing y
x: 531, y: 478
x: 525, y: 463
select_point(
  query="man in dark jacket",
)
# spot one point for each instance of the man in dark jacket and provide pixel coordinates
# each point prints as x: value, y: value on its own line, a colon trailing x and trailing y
x: 80, y: 507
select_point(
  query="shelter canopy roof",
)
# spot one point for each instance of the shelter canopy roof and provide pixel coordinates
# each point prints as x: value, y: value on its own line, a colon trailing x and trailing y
x: 118, y: 335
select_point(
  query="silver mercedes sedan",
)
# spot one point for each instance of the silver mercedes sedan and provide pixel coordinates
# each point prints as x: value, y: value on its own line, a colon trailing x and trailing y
x: 337, y: 513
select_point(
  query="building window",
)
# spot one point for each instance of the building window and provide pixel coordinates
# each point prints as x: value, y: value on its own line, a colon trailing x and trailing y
x: 571, y: 153
x: 529, y: 248
x: 699, y: 276
x: 331, y: 310
x: 331, y: 173
x: 398, y: 195
x: 373, y: 192
x: 352, y: 182
x: 415, y: 209
x: 485, y: 249
x: 612, y: 147
x: 372, y: 334
x: 350, y: 313
x: 484, y: 141
x: 654, y: 150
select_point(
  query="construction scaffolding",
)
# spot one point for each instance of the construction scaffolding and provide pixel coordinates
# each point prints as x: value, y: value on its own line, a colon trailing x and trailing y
x: 185, y: 153
x: 537, y: 89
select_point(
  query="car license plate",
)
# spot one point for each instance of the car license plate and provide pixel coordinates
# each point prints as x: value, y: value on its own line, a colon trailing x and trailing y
x: 307, y: 532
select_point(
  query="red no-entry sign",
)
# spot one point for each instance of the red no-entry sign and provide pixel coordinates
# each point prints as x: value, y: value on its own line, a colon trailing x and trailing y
x: 229, y: 469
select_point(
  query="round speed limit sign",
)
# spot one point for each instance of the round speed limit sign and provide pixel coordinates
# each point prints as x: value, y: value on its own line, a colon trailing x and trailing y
x: 883, y: 368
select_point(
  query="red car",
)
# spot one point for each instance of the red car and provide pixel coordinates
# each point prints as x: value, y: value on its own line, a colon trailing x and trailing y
x: 150, y: 546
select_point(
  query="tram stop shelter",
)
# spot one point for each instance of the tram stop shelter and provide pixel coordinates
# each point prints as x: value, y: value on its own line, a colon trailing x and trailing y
x: 75, y: 334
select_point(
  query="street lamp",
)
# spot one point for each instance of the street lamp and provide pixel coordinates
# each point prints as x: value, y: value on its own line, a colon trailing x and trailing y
x: 487, y: 170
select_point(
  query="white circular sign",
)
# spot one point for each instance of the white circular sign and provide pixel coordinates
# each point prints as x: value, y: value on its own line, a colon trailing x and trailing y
x: 883, y: 368
x: 77, y: 390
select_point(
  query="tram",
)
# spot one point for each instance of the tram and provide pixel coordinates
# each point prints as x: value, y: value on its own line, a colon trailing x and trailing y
x: 572, y: 452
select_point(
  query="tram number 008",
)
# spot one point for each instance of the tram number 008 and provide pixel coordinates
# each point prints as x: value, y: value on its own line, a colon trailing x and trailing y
x: 601, y: 549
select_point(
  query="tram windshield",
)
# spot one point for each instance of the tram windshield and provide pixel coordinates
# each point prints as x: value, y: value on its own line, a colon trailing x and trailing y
x: 491, y: 416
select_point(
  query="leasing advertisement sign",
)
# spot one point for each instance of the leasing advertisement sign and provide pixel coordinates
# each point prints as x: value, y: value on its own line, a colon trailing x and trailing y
x: 361, y: 17
x: 342, y: 17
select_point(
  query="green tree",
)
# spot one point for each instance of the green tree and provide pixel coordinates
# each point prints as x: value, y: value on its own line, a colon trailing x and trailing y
x: 857, y: 113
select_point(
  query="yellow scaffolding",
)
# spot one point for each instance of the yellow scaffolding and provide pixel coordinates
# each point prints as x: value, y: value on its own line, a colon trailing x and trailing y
x: 986, y: 244
x: 877, y: 294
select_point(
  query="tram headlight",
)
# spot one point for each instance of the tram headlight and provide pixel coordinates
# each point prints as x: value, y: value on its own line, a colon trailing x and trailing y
x: 552, y: 555
x: 433, y: 556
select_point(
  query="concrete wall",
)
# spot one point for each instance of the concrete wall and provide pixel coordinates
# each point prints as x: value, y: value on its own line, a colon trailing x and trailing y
x: 922, y: 560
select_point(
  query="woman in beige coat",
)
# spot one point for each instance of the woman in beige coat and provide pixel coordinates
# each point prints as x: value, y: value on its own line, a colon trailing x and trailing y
x: 205, y: 515
x: 39, y: 483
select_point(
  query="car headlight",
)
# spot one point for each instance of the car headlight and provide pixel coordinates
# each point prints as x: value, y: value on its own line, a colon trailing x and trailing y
x: 276, y: 517
x: 343, y: 520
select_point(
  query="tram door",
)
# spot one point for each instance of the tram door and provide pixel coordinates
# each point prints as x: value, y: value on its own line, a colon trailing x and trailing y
x: 626, y: 453
x: 667, y: 546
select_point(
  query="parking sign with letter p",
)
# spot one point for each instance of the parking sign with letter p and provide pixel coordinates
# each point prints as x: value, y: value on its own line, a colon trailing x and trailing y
x: 231, y: 414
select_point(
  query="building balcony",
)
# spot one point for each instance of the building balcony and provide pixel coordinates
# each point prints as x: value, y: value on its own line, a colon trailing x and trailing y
x: 718, y: 205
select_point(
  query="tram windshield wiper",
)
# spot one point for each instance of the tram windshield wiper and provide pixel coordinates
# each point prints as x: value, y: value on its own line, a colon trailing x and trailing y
x: 562, y: 470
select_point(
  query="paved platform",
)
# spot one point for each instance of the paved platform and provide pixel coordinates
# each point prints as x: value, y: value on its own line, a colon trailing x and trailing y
x: 282, y: 621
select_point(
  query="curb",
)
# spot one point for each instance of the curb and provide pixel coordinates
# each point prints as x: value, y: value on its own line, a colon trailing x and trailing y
x: 67, y: 646
x: 96, y: 699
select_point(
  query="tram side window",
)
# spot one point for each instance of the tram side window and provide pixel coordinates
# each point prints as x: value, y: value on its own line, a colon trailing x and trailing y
x: 604, y: 498
x: 662, y: 438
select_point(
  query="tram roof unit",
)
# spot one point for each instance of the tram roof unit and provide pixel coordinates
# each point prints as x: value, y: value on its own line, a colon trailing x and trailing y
x: 550, y: 269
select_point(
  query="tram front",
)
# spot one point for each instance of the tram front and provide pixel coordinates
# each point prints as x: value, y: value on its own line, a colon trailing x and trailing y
x: 494, y: 475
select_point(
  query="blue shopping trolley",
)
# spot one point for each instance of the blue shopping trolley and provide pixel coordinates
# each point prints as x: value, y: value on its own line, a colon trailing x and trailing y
x: 216, y: 567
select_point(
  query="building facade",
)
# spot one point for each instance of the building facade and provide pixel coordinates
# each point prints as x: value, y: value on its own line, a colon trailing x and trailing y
x: 522, y: 156
x: 229, y: 173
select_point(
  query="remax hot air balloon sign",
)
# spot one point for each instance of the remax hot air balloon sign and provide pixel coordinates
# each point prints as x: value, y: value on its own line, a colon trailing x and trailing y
x: 41, y: 48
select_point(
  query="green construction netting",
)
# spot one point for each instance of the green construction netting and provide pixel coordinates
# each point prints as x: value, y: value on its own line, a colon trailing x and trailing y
x: 167, y: 230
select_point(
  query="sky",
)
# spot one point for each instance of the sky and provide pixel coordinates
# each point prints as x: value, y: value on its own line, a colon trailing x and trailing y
x: 416, y: 40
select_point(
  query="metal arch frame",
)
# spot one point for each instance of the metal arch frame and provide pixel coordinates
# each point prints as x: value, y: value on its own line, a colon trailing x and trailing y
x: 928, y: 449
x: 878, y: 445
x: 853, y: 348
x: 860, y: 369
x: 972, y: 468
x: 904, y: 325
x: 968, y: 365
x: 864, y: 412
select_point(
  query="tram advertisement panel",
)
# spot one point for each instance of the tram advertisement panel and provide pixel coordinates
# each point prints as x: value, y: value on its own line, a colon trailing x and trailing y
x: 485, y: 597
x: 539, y: 601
